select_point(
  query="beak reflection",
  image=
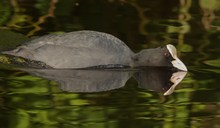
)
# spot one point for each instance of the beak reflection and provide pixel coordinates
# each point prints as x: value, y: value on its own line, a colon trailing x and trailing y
x: 176, y: 78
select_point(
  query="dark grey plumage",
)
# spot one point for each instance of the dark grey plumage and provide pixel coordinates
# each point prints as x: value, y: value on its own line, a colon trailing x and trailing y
x: 83, y: 49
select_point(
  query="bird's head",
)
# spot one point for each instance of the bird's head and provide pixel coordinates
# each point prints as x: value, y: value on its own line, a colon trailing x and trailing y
x: 159, y: 57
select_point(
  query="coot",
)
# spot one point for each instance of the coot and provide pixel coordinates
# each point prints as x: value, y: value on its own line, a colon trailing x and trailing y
x: 84, y: 49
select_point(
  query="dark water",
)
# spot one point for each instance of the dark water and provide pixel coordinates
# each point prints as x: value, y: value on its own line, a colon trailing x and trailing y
x: 30, y: 101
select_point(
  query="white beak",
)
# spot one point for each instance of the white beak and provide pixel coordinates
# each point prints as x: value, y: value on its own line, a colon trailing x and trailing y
x: 177, y: 63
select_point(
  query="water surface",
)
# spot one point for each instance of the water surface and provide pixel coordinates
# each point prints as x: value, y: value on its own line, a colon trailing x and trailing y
x: 28, y: 100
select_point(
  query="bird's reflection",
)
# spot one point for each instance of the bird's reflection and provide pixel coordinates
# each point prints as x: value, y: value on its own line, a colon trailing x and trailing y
x: 162, y: 80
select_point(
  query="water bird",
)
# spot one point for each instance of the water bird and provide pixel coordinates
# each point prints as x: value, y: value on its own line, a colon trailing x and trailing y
x: 92, y: 49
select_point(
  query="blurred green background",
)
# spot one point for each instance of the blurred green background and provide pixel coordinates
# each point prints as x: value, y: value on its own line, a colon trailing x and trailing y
x: 192, y: 26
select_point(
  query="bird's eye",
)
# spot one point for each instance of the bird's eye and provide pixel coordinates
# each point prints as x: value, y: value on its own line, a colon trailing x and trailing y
x: 166, y: 54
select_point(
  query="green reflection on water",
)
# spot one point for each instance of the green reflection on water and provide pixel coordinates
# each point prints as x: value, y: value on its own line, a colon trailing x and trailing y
x: 193, y: 26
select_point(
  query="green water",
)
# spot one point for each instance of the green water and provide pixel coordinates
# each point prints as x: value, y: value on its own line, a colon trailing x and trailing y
x: 29, y: 101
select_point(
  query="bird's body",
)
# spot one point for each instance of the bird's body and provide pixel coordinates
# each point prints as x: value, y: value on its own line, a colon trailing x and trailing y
x: 76, y: 50
x: 83, y: 49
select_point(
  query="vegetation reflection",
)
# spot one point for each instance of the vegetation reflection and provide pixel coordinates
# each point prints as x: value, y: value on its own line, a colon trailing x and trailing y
x: 193, y: 26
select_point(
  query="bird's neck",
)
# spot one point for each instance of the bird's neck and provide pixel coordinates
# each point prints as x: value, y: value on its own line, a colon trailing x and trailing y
x: 142, y: 58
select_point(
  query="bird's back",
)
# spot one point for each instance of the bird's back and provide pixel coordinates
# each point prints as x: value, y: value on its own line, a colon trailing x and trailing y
x: 76, y: 50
